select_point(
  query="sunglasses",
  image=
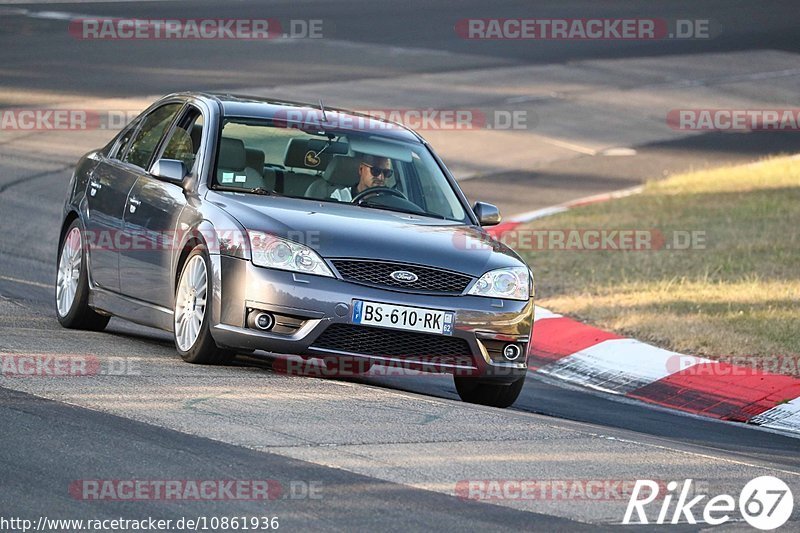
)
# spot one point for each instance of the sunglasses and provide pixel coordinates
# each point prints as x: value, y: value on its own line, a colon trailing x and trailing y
x: 375, y: 171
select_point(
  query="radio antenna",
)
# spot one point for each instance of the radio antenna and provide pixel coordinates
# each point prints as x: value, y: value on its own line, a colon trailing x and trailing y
x: 322, y: 108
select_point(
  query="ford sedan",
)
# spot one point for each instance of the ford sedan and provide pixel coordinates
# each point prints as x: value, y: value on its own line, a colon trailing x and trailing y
x: 242, y: 224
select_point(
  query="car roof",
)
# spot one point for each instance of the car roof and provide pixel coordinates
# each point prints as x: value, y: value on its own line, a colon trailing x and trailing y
x: 337, y: 119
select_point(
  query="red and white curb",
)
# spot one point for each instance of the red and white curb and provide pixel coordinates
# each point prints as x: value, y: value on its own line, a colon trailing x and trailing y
x: 512, y: 223
x: 568, y: 350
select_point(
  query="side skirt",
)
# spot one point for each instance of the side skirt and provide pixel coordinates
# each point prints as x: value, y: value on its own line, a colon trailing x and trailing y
x: 137, y: 311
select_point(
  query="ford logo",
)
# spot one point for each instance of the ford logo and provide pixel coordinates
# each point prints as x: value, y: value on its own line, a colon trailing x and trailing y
x: 404, y: 275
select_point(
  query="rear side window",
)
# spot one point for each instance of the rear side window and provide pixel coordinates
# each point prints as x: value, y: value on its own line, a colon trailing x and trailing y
x: 150, y: 133
x: 118, y: 150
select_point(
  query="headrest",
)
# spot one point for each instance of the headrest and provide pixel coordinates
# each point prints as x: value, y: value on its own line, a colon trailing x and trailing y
x: 232, y: 155
x: 342, y: 170
x: 255, y: 159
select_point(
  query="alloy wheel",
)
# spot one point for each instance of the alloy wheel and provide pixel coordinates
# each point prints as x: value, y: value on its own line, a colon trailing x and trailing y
x: 190, y: 303
x: 69, y: 271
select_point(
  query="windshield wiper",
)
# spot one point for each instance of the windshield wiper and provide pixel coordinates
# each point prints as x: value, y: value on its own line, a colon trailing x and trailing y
x: 256, y: 190
x: 401, y: 210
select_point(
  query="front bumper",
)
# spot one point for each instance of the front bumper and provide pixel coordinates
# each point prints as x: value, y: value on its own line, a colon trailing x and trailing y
x: 311, y: 304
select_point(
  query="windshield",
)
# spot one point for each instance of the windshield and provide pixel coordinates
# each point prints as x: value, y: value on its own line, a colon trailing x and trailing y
x: 353, y: 167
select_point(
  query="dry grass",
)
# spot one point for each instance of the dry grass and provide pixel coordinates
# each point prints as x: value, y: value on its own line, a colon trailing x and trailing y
x: 738, y: 295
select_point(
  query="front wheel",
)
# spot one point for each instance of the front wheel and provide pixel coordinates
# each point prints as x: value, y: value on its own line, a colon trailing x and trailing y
x: 72, y: 285
x: 192, y: 309
x: 503, y: 395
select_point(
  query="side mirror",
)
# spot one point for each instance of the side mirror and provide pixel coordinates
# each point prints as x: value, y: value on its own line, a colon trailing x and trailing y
x: 488, y: 214
x: 170, y: 170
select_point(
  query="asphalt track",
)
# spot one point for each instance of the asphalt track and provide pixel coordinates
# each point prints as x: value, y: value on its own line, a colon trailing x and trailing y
x: 48, y: 443
x: 80, y: 439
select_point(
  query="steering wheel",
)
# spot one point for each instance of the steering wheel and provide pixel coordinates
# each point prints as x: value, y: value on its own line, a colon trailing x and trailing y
x: 376, y: 191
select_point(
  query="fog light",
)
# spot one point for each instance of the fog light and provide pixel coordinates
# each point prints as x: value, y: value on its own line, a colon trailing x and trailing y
x: 260, y: 320
x: 512, y: 352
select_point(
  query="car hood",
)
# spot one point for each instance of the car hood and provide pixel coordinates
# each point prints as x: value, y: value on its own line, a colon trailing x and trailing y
x: 343, y: 230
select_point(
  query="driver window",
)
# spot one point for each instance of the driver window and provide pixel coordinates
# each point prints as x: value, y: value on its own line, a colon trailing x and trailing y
x: 431, y: 197
x: 184, y: 141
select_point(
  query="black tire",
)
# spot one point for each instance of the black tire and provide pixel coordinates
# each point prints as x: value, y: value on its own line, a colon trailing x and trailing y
x: 204, y: 351
x: 471, y: 390
x: 80, y: 315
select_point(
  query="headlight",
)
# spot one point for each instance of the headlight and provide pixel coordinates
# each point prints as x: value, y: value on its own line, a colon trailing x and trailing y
x: 511, y: 283
x: 274, y: 252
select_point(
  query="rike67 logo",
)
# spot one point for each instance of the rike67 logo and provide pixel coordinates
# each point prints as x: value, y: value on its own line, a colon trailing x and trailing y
x: 766, y: 503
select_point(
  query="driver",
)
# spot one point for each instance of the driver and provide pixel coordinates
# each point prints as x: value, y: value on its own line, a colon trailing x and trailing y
x: 373, y: 171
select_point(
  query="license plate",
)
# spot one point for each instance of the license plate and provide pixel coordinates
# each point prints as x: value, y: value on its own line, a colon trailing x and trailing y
x: 403, y: 317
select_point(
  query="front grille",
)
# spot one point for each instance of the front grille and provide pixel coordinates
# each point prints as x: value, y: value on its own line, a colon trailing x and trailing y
x: 368, y: 340
x: 378, y: 274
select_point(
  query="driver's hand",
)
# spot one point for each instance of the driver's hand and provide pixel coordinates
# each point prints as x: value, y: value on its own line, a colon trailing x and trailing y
x: 375, y: 185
